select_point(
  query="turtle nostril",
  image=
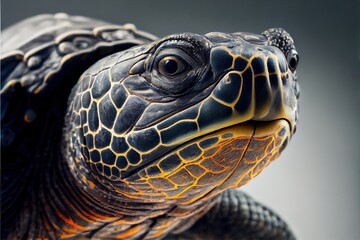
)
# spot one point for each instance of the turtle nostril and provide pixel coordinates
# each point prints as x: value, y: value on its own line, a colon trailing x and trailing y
x: 293, y: 63
x: 293, y: 59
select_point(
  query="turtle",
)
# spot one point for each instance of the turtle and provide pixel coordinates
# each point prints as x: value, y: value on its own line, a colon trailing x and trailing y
x: 109, y: 132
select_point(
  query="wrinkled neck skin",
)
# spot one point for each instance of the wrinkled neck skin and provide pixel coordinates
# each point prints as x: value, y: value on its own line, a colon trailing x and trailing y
x: 78, y: 204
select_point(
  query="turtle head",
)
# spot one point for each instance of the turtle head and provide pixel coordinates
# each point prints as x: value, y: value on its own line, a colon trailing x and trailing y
x: 185, y: 117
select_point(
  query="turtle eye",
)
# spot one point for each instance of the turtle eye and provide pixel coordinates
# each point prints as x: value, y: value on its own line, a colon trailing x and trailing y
x: 171, y: 66
x: 293, y: 59
x: 174, y: 67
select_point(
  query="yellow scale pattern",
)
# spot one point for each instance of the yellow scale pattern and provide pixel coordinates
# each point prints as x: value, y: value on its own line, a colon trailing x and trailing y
x: 232, y: 154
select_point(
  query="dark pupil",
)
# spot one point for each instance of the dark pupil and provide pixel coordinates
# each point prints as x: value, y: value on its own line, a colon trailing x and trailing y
x: 170, y: 66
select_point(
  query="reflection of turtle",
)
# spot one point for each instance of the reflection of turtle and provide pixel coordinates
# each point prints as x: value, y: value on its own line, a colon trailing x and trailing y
x: 150, y: 136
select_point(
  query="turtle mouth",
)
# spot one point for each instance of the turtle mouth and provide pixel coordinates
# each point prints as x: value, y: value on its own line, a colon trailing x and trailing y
x: 250, y: 128
x: 266, y: 128
x: 247, y: 129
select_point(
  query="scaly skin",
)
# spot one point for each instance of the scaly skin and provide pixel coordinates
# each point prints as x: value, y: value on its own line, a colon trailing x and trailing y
x: 153, y: 135
x: 237, y: 216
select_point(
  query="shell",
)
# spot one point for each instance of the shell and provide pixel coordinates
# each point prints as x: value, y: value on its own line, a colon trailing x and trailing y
x: 48, y: 53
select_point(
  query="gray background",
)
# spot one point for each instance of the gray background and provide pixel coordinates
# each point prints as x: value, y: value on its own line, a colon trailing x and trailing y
x: 315, y: 184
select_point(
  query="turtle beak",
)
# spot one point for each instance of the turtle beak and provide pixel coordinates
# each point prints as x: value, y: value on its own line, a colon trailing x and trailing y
x: 255, y: 82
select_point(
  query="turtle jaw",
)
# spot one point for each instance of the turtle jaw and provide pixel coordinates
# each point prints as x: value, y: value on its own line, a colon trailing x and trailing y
x: 209, y: 164
x: 264, y: 145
